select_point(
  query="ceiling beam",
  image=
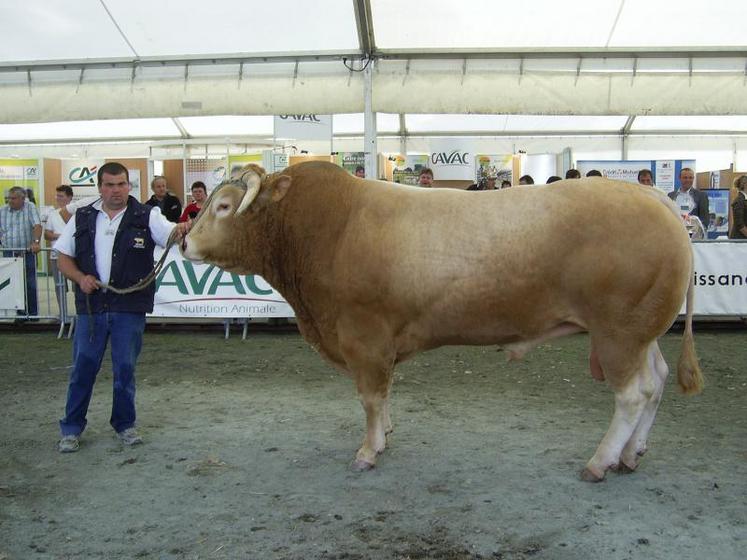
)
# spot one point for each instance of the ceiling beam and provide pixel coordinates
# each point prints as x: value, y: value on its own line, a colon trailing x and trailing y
x: 364, y: 24
x: 367, y: 42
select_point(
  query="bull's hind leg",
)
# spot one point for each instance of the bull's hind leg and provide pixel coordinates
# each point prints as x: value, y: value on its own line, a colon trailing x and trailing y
x: 637, y: 446
x: 629, y: 374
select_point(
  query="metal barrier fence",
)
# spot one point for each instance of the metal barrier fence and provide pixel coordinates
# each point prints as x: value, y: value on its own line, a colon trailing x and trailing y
x: 46, y: 295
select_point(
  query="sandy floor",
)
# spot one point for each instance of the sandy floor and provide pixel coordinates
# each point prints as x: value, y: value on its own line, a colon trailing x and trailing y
x: 248, y: 446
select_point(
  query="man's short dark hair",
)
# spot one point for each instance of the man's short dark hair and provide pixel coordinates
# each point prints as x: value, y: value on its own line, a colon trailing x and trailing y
x: 505, y: 183
x: 360, y: 168
x: 112, y: 168
x: 425, y: 170
x: 67, y: 189
x: 644, y: 173
x: 553, y: 178
x: 686, y: 169
x: 594, y: 173
x: 573, y: 174
x: 198, y: 185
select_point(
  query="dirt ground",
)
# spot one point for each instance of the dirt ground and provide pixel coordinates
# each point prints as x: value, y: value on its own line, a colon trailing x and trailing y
x: 248, y: 448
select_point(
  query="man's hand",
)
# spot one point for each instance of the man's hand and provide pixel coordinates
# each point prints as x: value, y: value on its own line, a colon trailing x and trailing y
x: 182, y: 229
x: 87, y: 283
x: 35, y: 247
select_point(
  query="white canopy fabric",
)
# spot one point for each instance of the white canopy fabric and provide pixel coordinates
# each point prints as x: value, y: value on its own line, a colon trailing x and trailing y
x: 122, y: 59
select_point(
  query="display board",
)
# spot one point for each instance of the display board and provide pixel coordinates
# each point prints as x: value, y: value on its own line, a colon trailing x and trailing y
x: 19, y: 173
x: 666, y: 173
x: 12, y: 284
x: 491, y: 165
x: 718, y: 207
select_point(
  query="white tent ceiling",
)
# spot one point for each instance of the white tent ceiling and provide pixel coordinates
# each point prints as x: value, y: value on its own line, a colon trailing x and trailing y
x: 498, y: 65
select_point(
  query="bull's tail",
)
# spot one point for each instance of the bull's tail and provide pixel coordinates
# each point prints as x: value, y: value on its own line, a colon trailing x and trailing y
x: 689, y: 376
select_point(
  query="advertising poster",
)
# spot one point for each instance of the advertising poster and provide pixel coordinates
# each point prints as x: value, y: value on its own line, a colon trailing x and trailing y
x: 406, y: 169
x: 666, y: 173
x: 303, y: 127
x: 19, y: 173
x: 720, y: 278
x: 187, y: 289
x: 235, y: 163
x: 490, y: 165
x: 350, y: 160
x: 718, y: 207
x: 452, y: 159
x: 81, y: 176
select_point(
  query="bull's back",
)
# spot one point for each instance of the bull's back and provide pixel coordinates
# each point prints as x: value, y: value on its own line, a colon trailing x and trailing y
x: 528, y: 256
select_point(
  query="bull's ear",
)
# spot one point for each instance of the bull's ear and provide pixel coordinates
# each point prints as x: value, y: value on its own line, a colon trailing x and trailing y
x: 280, y: 187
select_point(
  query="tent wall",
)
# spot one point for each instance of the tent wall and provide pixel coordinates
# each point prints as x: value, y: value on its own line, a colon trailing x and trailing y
x: 564, y: 87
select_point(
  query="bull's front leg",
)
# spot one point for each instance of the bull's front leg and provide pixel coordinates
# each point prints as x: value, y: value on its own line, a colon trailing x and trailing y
x: 373, y: 391
x: 370, y: 360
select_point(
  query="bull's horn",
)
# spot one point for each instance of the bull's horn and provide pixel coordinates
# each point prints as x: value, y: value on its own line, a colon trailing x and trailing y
x: 253, y: 182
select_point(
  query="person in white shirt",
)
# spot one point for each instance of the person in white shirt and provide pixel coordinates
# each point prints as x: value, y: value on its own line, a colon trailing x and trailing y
x: 52, y: 231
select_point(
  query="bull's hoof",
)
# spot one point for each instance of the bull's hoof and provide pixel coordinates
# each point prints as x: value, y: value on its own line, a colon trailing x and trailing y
x: 622, y: 468
x: 361, y: 465
x: 588, y: 475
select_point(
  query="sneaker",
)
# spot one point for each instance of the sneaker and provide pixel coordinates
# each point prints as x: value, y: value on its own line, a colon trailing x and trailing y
x: 69, y: 444
x: 129, y: 437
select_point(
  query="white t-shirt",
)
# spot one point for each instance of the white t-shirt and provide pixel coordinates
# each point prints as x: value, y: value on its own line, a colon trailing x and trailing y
x: 685, y: 202
x: 106, y: 229
x: 56, y: 225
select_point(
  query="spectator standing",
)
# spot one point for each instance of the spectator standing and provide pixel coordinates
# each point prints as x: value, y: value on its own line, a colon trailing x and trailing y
x: 110, y: 241
x: 21, y: 232
x: 52, y: 231
x: 526, y: 180
x: 360, y: 171
x: 425, y: 179
x: 739, y: 210
x: 553, y: 179
x: 689, y: 199
x: 505, y: 184
x: 199, y: 196
x: 170, y: 206
x: 645, y: 177
x: 594, y: 173
x: 573, y: 174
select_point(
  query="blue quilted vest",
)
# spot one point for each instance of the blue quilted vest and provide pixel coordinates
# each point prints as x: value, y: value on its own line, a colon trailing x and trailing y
x: 132, y: 260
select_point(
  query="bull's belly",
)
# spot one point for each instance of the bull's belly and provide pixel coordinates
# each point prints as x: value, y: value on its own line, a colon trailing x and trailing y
x: 426, y: 336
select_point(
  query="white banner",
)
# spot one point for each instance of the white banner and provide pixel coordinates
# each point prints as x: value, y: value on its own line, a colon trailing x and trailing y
x: 304, y: 127
x: 12, y: 283
x: 452, y: 159
x: 187, y: 289
x: 720, y: 278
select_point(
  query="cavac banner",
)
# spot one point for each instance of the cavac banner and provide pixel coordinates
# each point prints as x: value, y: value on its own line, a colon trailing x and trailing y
x: 304, y: 127
x: 452, y: 159
x: 12, y: 283
x: 187, y: 289
x: 720, y: 278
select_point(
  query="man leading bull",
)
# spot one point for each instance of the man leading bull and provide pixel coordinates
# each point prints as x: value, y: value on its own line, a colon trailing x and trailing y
x: 109, y: 242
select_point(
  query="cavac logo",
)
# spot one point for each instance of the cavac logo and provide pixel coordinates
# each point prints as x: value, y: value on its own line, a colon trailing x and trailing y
x: 301, y: 118
x: 83, y: 175
x: 454, y: 158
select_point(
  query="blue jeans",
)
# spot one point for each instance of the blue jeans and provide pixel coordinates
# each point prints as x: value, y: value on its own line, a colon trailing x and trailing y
x: 32, y: 306
x: 126, y: 333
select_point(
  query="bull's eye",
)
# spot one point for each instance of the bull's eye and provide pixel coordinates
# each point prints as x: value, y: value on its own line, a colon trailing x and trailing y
x: 223, y: 207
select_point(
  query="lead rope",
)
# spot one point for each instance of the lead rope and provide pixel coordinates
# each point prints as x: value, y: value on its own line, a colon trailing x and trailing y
x: 144, y: 283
